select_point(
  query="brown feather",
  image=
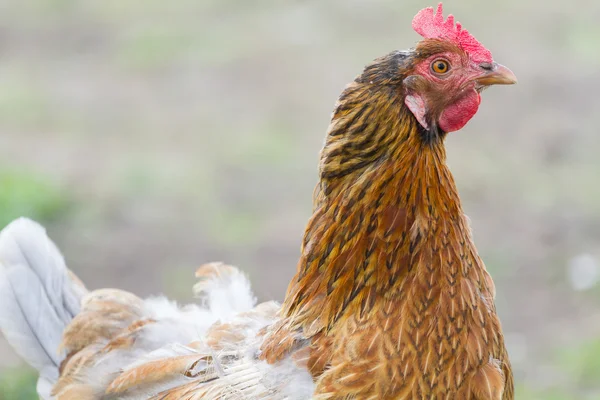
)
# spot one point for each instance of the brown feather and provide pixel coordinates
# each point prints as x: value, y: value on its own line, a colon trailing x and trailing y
x: 157, y: 371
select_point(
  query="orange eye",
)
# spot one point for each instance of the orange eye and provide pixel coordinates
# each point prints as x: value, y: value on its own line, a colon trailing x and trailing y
x: 440, y: 66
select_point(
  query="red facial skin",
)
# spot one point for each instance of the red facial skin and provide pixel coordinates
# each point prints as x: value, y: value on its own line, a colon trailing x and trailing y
x: 452, y: 97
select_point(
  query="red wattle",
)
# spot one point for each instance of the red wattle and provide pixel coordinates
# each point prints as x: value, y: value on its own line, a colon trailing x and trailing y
x: 456, y: 115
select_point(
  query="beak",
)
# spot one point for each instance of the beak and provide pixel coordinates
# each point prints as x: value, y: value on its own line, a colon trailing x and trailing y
x: 496, y: 74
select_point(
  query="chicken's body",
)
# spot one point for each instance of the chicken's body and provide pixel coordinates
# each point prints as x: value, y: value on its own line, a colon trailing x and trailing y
x: 390, y: 301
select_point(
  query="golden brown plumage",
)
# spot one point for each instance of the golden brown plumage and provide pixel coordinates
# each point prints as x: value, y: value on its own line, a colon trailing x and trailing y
x: 390, y: 299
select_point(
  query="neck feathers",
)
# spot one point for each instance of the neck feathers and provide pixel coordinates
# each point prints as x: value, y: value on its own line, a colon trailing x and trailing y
x: 384, y: 194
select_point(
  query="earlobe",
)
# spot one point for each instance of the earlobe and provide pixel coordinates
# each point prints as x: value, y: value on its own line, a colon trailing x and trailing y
x: 416, y: 105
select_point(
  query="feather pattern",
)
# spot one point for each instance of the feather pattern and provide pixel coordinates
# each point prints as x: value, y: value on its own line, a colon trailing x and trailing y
x: 137, y: 348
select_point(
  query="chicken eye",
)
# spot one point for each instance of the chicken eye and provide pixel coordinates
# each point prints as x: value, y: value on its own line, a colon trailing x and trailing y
x: 440, y: 66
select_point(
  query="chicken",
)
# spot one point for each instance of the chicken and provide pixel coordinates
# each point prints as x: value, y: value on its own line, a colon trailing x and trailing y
x: 390, y: 300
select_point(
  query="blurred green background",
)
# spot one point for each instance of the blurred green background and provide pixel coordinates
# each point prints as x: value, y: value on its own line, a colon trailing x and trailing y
x: 153, y: 136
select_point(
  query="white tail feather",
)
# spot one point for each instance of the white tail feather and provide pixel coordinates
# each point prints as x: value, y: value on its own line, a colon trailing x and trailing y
x: 38, y: 297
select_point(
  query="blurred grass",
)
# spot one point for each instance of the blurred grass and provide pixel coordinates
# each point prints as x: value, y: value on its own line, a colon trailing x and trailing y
x: 579, y: 366
x: 18, y: 384
x: 29, y: 195
x: 524, y: 393
x: 22, y: 102
x: 151, y: 49
x: 582, y: 363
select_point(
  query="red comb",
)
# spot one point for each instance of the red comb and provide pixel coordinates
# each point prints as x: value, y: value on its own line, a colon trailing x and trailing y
x: 431, y: 26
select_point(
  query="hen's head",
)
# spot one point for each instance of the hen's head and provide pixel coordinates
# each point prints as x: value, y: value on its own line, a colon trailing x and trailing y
x: 419, y: 94
x: 447, y: 71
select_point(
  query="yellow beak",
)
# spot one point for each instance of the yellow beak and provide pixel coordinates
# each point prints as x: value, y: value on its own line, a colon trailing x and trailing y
x: 498, y: 74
